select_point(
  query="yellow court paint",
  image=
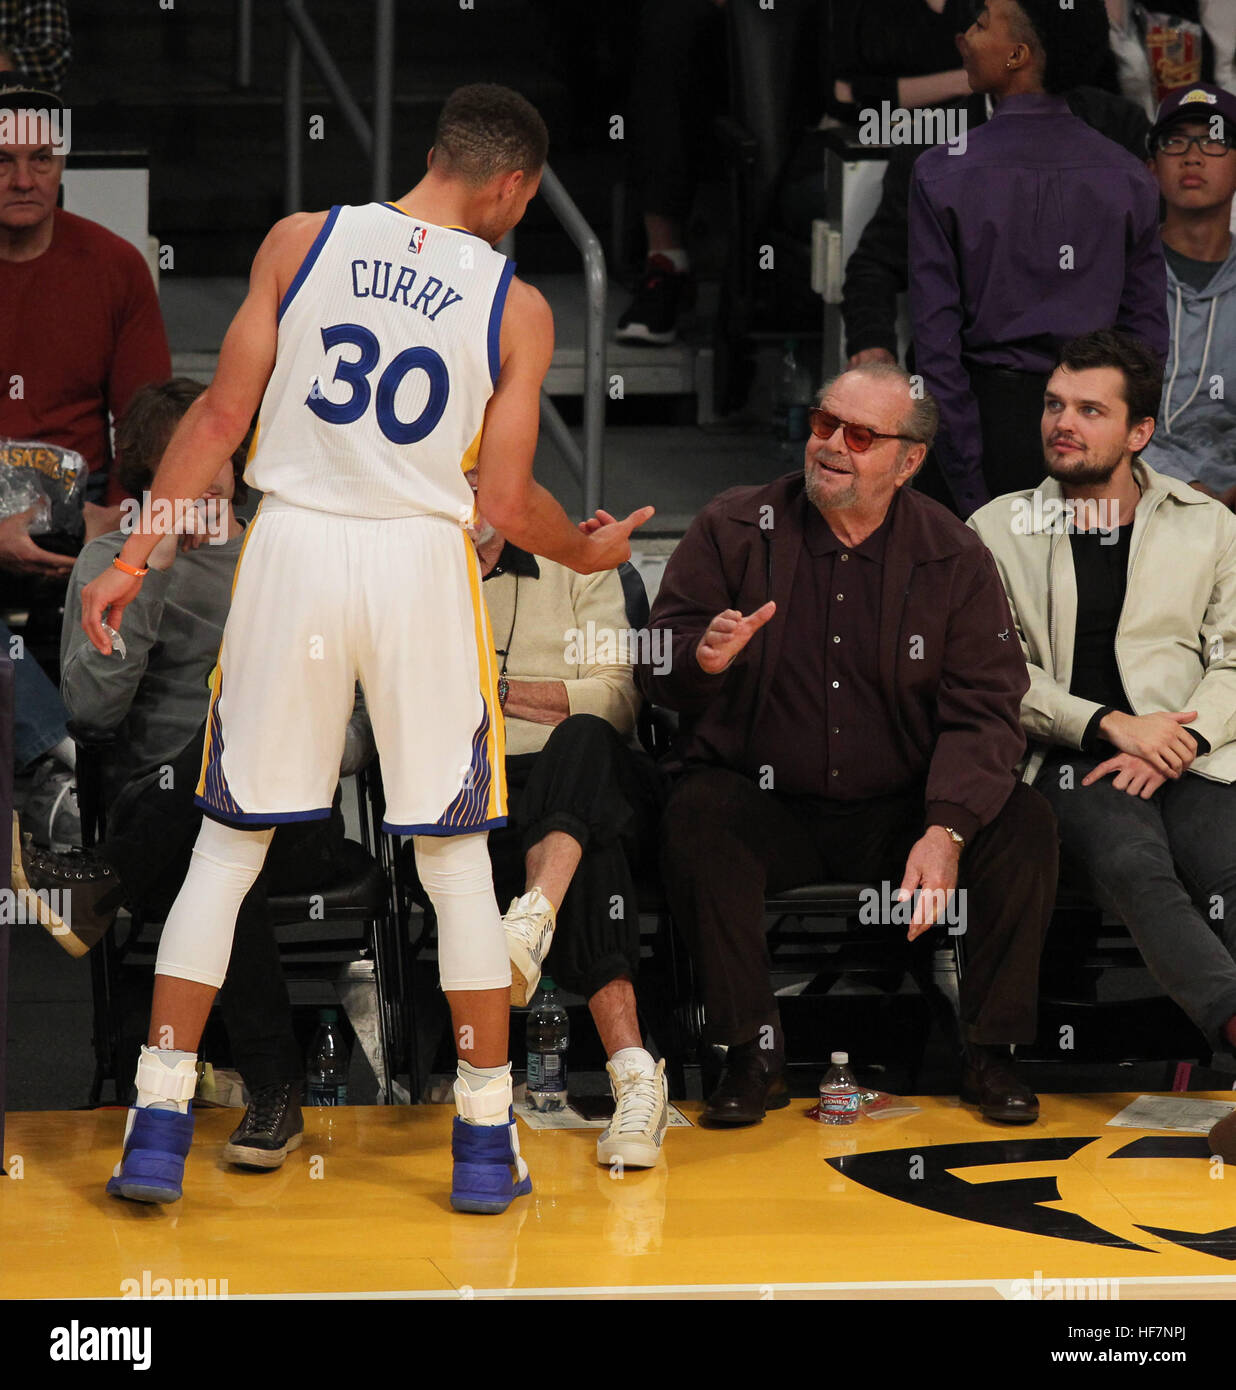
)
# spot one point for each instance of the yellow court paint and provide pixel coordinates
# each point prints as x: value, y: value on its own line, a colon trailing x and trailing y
x: 363, y: 1208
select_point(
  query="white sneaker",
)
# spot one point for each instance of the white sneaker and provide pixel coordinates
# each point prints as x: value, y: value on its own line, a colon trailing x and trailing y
x: 529, y: 926
x: 50, y: 811
x: 641, y: 1115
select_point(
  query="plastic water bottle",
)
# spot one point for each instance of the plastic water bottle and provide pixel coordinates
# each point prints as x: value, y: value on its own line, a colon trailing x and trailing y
x: 839, y: 1093
x: 791, y: 397
x: 327, y: 1063
x: 549, y: 1032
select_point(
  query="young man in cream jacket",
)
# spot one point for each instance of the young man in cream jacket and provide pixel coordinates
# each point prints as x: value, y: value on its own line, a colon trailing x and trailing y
x: 1122, y: 583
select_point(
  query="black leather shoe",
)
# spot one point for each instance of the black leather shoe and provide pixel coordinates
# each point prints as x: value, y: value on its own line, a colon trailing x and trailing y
x: 752, y: 1083
x: 987, y: 1081
x: 273, y: 1126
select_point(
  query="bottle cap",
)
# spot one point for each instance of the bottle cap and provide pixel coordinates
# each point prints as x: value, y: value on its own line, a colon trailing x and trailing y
x: 328, y: 1015
x: 840, y: 1058
x: 547, y: 983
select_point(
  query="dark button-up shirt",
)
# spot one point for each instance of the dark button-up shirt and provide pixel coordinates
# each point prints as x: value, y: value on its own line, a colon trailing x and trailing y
x: 949, y: 668
x: 1042, y: 230
x: 826, y: 728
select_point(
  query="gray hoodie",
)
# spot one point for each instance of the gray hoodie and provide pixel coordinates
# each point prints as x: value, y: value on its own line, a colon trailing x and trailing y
x: 1195, y: 436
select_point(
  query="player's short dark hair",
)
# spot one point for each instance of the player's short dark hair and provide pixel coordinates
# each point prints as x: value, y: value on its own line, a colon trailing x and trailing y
x: 1138, y: 365
x: 148, y: 425
x: 486, y: 130
x: 1074, y: 40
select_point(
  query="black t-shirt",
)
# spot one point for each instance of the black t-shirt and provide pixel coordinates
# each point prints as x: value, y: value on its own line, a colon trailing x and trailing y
x: 1196, y: 274
x: 1101, y: 564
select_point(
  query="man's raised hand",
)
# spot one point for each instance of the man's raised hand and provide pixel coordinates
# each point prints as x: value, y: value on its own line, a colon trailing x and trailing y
x: 728, y: 634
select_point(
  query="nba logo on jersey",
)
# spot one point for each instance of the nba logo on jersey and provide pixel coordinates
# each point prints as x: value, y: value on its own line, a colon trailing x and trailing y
x: 418, y: 239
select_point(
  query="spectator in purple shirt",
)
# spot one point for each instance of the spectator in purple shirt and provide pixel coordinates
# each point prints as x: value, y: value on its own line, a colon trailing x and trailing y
x: 1040, y: 231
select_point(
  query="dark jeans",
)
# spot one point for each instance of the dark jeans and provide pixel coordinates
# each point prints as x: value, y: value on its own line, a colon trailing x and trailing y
x: 38, y: 716
x: 1010, y: 408
x: 1167, y: 868
x: 677, y: 87
x: 149, y: 849
x: 606, y: 795
x: 726, y: 845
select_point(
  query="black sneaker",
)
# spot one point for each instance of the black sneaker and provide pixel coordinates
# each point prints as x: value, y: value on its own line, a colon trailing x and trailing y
x: 73, y: 895
x: 652, y: 315
x: 273, y: 1126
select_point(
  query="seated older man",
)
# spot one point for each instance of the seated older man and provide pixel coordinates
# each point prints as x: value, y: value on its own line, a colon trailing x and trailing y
x: 850, y: 682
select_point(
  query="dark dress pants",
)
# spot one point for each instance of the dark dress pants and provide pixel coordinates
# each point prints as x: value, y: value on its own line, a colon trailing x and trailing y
x: 726, y: 845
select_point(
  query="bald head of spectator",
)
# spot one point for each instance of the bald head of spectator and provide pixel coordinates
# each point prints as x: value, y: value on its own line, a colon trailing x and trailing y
x: 1019, y: 46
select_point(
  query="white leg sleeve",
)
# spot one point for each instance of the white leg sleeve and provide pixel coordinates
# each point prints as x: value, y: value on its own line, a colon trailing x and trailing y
x: 456, y: 874
x: 197, y: 937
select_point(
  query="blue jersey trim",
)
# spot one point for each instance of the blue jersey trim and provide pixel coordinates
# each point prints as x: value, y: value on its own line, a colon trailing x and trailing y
x: 307, y: 264
x: 437, y: 828
x: 495, y: 320
x: 256, y: 820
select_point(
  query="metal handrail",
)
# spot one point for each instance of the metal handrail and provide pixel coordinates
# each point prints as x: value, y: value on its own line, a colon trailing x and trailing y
x: 375, y: 139
x: 587, y: 466
x: 303, y: 36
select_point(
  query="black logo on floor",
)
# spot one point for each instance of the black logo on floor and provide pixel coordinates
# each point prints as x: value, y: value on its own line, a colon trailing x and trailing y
x: 1019, y: 1204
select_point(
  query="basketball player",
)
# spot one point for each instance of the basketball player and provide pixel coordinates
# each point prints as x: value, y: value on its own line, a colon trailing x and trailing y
x: 390, y: 350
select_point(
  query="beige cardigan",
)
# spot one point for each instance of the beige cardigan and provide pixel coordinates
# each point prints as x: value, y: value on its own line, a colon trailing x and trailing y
x: 1176, y: 640
x: 543, y: 645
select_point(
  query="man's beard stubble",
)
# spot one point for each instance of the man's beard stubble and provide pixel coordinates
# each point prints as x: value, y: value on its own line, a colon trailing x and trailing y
x: 1093, y: 472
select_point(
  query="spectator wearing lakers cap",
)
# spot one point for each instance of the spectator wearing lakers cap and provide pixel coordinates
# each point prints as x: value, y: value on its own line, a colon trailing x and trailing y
x: 1192, y: 147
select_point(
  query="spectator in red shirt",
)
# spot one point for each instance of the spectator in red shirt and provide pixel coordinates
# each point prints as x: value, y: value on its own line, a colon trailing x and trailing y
x: 81, y: 329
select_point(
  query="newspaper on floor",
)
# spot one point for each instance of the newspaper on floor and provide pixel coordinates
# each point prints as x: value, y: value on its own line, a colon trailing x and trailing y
x: 570, y: 1118
x: 1173, y: 1112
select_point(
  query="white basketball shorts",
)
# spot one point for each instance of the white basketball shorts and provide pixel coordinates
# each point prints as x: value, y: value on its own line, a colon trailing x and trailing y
x: 320, y: 601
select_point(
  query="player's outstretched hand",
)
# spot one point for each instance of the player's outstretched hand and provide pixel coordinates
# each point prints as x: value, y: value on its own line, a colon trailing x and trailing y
x: 610, y: 540
x: 106, y: 598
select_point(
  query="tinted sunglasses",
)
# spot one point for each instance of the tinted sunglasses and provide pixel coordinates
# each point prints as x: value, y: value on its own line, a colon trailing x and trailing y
x: 858, y: 438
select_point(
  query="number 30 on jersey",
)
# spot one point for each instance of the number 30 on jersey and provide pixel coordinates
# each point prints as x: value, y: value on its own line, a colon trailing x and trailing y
x: 355, y: 374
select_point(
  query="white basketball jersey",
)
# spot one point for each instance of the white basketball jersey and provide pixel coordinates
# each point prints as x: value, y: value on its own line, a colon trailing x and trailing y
x: 387, y: 356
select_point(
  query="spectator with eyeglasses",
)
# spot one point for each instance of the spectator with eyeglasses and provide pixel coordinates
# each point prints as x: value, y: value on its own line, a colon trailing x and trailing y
x: 1193, y: 155
x: 849, y: 682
